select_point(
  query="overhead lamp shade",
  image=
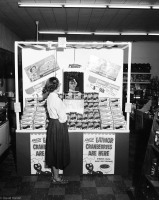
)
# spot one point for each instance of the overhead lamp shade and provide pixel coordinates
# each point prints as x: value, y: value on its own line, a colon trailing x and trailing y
x: 106, y: 33
x: 52, y: 32
x: 129, y: 6
x: 79, y: 33
x: 157, y: 34
x: 42, y: 5
x: 84, y: 6
x: 133, y: 33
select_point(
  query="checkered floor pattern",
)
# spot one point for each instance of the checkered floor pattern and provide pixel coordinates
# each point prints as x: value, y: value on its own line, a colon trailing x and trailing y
x: 111, y: 187
x: 39, y: 187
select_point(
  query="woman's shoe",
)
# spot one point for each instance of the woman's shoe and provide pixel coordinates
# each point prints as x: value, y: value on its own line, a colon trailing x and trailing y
x: 60, y: 181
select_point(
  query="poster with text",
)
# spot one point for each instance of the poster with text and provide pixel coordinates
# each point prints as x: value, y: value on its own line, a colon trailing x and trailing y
x: 37, y: 67
x: 41, y: 68
x: 104, y: 67
x: 37, y: 151
x: 104, y: 72
x: 98, y: 153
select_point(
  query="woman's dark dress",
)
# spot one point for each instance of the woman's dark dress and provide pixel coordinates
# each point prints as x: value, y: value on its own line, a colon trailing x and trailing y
x: 57, y: 145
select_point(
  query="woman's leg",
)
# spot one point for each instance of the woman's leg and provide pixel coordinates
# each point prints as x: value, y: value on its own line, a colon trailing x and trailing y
x: 55, y: 173
x: 56, y: 178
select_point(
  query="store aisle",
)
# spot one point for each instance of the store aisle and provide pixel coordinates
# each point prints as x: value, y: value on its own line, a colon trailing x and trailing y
x: 38, y: 187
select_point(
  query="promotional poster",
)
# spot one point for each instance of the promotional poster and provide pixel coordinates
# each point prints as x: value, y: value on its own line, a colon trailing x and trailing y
x: 98, y: 153
x: 36, y: 70
x: 37, y: 151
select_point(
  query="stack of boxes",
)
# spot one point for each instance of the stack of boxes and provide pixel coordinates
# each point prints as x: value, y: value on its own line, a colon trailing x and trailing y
x: 34, y: 115
x: 90, y: 119
x: 99, y: 113
x: 117, y: 114
x: 105, y: 114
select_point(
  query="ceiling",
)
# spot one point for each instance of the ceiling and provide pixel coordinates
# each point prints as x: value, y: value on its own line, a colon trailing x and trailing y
x: 22, y: 21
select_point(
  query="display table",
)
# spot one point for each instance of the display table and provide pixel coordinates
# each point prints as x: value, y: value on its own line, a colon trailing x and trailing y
x: 4, y: 137
x: 76, y: 148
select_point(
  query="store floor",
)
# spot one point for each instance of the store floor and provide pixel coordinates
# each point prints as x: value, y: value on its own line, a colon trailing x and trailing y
x: 39, y: 187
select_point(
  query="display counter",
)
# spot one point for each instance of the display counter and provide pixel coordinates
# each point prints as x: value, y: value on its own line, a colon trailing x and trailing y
x: 98, y: 130
x: 23, y: 149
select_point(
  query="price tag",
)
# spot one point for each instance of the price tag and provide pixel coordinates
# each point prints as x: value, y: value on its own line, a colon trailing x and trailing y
x: 17, y: 107
x: 128, y: 107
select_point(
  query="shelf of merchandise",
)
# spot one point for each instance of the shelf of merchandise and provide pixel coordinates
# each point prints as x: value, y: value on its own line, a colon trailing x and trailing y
x: 148, y: 185
x: 138, y: 82
x: 137, y: 73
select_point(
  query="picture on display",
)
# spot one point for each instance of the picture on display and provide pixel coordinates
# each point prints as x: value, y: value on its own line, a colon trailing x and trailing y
x: 104, y: 67
x: 41, y: 68
x: 73, y: 82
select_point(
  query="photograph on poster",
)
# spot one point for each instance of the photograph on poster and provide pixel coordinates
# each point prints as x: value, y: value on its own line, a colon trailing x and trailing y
x: 73, y: 82
x: 41, y: 68
x: 73, y: 91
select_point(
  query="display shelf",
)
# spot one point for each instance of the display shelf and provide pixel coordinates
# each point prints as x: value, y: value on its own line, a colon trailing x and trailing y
x: 137, y: 73
x: 138, y: 77
x: 149, y: 185
x: 77, y: 131
x: 138, y: 82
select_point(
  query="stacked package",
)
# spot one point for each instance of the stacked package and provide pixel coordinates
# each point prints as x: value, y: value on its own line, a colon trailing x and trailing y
x: 105, y: 114
x: 111, y: 115
x: 99, y: 113
x: 117, y: 114
x: 34, y: 115
x: 90, y: 119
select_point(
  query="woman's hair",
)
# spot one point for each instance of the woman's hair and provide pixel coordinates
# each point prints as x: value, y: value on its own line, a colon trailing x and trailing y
x: 51, y: 85
x: 72, y: 80
x: 31, y: 69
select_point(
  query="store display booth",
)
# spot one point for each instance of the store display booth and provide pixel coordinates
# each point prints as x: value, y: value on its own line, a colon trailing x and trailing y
x: 98, y: 130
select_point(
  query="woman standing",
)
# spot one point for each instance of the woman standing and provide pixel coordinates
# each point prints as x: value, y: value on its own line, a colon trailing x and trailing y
x: 57, y: 139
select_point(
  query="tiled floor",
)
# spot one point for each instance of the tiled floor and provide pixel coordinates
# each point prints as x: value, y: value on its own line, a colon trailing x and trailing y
x: 39, y: 187
x: 84, y: 187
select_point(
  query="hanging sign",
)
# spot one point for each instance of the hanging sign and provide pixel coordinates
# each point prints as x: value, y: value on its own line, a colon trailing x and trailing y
x: 98, y: 153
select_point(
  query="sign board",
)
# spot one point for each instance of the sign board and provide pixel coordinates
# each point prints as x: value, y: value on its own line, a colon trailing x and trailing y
x: 37, y: 151
x: 98, y: 153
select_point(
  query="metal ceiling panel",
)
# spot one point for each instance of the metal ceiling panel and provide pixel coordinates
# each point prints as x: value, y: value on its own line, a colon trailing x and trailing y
x: 95, y: 19
x: 72, y: 19
x: 60, y: 15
